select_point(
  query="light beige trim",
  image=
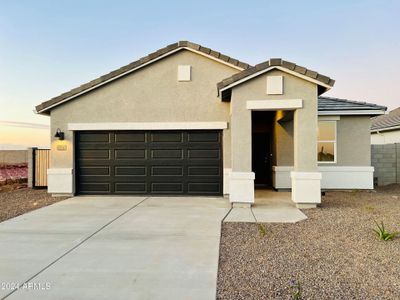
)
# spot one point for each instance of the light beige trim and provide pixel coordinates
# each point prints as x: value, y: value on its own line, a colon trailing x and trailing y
x: 329, y: 118
x: 289, y: 104
x: 148, y: 126
x: 351, y: 112
x: 328, y: 87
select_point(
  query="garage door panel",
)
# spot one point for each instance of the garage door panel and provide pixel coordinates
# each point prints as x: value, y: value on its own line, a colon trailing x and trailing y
x: 204, y: 153
x: 204, y: 171
x: 130, y: 171
x: 167, y: 187
x: 130, y: 188
x: 129, y: 137
x: 91, y: 154
x: 167, y: 170
x: 149, y: 162
x: 198, y: 136
x: 91, y: 137
x: 203, y: 188
x: 95, y: 187
x: 166, y: 137
x: 95, y: 171
x: 167, y: 154
x: 130, y: 154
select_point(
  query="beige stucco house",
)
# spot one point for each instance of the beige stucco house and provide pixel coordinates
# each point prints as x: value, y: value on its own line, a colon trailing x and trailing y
x: 385, y: 129
x: 189, y: 120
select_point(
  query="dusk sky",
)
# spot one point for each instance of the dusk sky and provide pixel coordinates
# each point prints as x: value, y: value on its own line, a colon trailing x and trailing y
x: 49, y: 47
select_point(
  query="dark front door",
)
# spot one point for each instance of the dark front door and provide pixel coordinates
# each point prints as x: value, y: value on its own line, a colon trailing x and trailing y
x: 149, y: 162
x: 261, y: 159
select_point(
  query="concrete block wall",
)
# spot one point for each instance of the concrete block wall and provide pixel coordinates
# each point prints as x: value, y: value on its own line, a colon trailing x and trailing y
x: 386, y: 161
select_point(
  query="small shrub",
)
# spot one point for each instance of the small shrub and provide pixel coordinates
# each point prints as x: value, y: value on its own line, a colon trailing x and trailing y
x: 262, y: 229
x: 295, y: 288
x: 370, y: 209
x: 382, y: 234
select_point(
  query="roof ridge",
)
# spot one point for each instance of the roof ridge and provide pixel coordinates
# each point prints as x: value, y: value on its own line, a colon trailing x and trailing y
x: 276, y: 62
x: 44, y: 106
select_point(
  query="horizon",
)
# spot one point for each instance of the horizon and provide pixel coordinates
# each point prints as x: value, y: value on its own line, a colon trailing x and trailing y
x: 48, y: 48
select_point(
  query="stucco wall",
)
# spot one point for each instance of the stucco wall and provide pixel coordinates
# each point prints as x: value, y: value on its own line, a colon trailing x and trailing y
x: 283, y: 140
x: 385, y: 137
x: 255, y: 89
x: 353, y: 141
x: 152, y: 94
x: 353, y: 144
x: 10, y: 157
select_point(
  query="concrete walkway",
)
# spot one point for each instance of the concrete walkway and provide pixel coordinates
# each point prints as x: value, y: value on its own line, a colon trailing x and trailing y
x: 270, y: 207
x: 114, y: 248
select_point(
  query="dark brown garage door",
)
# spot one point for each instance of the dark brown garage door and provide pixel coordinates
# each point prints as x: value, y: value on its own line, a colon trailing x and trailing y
x: 149, y: 162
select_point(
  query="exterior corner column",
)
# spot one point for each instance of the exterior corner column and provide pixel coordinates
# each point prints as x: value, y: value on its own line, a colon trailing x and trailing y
x: 306, y: 179
x: 241, y: 179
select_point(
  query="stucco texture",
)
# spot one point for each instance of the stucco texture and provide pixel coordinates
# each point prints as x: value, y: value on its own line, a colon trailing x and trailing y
x: 305, y: 120
x: 151, y: 94
x: 353, y: 142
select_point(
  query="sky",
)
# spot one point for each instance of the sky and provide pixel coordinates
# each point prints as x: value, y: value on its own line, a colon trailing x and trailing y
x: 48, y: 47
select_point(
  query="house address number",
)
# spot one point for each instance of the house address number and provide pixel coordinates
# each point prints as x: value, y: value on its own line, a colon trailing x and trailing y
x: 61, y: 147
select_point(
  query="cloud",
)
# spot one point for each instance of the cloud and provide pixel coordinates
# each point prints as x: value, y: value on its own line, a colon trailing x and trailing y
x: 24, y: 125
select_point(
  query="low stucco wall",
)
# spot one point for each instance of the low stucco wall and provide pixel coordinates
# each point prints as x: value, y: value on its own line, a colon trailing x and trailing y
x: 13, y: 157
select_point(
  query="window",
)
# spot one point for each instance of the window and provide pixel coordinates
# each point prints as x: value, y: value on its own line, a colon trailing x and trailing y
x: 326, y: 143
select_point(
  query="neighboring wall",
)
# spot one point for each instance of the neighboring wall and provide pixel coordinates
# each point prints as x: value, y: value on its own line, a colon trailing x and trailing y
x: 13, y: 157
x: 386, y: 161
x: 385, y: 137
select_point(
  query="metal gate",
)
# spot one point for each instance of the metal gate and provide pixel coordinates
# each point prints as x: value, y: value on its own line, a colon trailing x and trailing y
x: 41, y: 162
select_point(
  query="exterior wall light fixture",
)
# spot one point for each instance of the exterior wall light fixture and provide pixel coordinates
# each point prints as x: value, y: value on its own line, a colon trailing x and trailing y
x: 59, y: 134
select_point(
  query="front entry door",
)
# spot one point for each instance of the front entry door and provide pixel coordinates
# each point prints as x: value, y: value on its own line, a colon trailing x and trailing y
x: 261, y: 159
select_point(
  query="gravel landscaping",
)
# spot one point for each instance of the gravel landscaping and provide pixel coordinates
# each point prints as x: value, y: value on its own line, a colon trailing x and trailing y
x: 332, y: 255
x: 17, y: 199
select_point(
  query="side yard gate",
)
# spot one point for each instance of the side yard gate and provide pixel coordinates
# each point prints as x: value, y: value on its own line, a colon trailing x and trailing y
x: 38, y: 165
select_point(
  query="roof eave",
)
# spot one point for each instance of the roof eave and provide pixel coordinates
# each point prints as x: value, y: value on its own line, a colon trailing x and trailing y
x: 364, y: 112
x: 392, y: 128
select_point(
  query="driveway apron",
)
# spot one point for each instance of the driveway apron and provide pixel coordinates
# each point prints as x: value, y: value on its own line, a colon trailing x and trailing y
x: 114, y: 248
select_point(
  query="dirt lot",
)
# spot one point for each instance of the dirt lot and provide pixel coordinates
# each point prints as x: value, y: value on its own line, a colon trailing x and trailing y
x: 17, y: 199
x: 332, y: 255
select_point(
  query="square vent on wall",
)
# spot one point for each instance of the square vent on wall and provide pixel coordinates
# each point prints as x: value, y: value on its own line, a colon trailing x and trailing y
x: 184, y: 73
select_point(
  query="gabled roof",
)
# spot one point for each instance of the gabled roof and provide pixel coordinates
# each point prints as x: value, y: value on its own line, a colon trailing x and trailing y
x: 323, y: 81
x: 391, y: 121
x: 144, y: 61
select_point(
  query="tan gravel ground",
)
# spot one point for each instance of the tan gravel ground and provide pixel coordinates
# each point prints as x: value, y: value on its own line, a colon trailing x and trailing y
x: 332, y: 255
x: 17, y: 199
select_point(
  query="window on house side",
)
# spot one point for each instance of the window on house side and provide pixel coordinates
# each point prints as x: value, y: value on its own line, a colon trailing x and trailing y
x: 326, y: 144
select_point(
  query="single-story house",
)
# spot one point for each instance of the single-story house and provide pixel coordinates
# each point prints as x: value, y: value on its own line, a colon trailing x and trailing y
x: 190, y: 120
x: 385, y: 129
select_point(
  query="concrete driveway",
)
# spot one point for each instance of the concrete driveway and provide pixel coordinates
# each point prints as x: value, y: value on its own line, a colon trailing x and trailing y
x: 114, y: 248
